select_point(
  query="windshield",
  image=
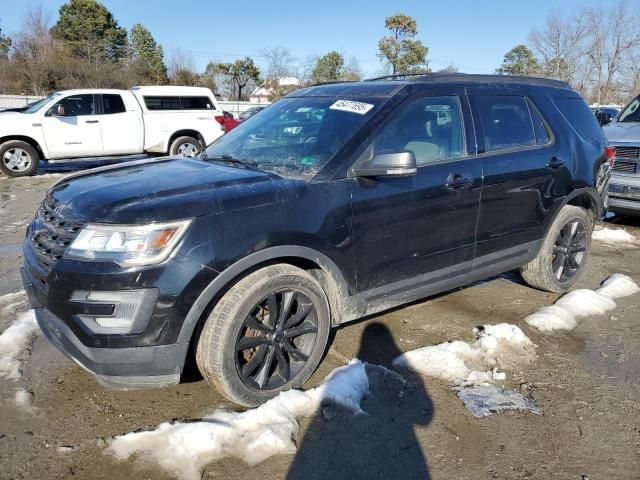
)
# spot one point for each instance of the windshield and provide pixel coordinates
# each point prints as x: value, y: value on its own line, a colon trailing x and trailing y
x: 632, y: 112
x: 295, y: 137
x: 41, y: 103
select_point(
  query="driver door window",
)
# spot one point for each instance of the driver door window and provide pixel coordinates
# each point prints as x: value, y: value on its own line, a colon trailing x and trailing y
x: 430, y: 127
x: 78, y: 105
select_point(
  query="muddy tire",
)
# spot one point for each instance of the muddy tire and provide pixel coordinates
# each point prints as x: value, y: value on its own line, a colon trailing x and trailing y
x: 267, y: 334
x: 564, y: 252
x: 185, y: 146
x: 18, y: 159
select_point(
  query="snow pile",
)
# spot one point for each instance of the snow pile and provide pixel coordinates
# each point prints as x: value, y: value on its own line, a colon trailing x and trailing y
x: 463, y: 363
x: 582, y: 303
x: 484, y: 400
x: 15, y: 342
x: 24, y: 400
x: 617, y: 237
x: 10, y: 302
x: 254, y: 435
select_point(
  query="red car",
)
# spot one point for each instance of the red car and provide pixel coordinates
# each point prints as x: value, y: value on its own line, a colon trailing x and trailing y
x: 227, y: 121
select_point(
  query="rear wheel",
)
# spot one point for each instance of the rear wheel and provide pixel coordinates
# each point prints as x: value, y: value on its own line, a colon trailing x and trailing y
x: 18, y: 159
x: 185, y: 146
x: 562, y: 258
x: 267, y: 334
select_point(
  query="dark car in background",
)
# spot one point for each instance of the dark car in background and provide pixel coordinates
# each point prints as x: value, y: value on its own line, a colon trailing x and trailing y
x: 606, y: 115
x: 250, y: 112
x: 624, y: 135
x: 251, y: 253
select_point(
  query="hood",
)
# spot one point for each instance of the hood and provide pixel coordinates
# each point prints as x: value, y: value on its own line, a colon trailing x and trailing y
x: 623, y: 132
x: 160, y: 190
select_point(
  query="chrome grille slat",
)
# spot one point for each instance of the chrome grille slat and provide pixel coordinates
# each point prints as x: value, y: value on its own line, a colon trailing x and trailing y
x: 628, y: 152
x: 626, y: 167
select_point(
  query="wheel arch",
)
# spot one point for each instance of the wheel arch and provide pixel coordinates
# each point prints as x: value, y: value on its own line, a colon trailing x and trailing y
x: 26, y: 139
x: 187, y: 132
x: 317, y: 264
x: 587, y: 198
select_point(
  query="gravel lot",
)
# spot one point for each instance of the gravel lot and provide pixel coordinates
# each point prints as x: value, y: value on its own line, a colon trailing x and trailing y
x: 586, y: 382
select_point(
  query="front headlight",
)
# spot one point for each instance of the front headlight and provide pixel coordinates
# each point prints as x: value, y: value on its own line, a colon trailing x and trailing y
x: 127, y: 245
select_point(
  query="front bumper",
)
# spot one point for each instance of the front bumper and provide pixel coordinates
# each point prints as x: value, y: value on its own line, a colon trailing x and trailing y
x: 122, y: 368
x: 624, y: 193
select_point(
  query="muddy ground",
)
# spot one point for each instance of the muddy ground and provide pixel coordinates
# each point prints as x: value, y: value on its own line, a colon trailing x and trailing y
x: 587, y: 383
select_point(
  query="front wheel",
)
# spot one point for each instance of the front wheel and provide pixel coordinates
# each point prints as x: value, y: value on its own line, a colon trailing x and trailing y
x: 563, y: 255
x: 18, y: 159
x: 267, y: 334
x: 186, y: 146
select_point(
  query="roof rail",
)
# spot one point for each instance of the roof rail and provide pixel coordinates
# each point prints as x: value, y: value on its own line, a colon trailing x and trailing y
x: 397, y: 76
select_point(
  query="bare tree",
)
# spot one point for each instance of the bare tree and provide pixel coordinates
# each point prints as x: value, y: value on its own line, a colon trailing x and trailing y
x: 280, y: 65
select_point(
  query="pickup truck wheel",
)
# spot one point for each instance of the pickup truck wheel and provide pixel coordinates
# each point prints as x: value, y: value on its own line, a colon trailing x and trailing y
x: 267, y: 334
x: 563, y: 255
x: 18, y: 159
x: 185, y: 146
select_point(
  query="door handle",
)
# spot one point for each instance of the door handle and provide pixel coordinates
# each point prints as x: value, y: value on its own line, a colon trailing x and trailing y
x: 458, y: 182
x: 91, y: 121
x: 555, y: 162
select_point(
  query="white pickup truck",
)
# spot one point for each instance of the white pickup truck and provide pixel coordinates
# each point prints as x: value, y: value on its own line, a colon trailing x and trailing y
x: 102, y: 122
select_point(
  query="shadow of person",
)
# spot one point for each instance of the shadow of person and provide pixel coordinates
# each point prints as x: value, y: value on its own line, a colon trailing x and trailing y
x: 380, y: 444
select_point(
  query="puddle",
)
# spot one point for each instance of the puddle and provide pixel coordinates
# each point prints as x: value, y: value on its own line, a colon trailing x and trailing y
x: 611, y: 360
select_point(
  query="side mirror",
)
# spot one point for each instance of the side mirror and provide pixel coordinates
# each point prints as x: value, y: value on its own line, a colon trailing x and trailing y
x: 395, y: 164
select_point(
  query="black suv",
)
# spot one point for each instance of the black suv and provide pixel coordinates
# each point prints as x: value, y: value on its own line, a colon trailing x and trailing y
x: 247, y: 256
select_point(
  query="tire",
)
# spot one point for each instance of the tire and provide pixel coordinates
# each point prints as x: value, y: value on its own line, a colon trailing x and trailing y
x: 18, y: 159
x: 220, y: 355
x: 186, y: 146
x: 553, y: 270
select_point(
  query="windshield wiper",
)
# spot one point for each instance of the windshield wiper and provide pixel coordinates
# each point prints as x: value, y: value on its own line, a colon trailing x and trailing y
x: 237, y: 161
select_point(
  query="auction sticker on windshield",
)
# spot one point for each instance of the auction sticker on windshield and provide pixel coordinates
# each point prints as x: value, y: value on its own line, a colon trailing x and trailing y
x: 351, y: 106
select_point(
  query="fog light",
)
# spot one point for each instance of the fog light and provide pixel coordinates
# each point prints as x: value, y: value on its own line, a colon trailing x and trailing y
x: 125, y: 311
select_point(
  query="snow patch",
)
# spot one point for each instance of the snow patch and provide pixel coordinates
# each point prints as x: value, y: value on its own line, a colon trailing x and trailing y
x: 184, y: 448
x: 615, y: 237
x: 15, y: 343
x: 12, y: 299
x: 24, y: 400
x: 484, y: 400
x: 582, y: 303
x: 462, y: 363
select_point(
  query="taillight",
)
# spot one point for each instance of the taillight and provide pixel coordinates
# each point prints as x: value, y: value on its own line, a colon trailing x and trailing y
x: 610, y: 152
x: 220, y: 120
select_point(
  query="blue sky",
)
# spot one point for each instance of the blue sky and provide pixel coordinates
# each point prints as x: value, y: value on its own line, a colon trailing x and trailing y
x: 474, y: 35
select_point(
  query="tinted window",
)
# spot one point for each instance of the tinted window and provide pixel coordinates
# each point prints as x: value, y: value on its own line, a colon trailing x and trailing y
x: 540, y: 129
x: 430, y: 127
x: 162, y: 103
x: 78, y: 105
x: 631, y: 113
x: 112, y: 104
x: 580, y: 117
x: 505, y: 121
x: 196, y: 103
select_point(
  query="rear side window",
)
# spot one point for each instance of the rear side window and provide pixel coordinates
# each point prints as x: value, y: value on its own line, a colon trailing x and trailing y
x: 580, y: 117
x: 506, y: 122
x: 112, y: 103
x: 162, y: 103
x: 196, y: 103
x: 540, y: 129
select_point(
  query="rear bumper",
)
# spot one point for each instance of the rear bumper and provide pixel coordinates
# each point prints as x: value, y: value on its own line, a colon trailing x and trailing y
x: 624, y: 193
x: 121, y: 368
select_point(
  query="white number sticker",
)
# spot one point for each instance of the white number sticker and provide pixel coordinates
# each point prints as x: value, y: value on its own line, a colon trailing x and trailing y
x: 350, y: 106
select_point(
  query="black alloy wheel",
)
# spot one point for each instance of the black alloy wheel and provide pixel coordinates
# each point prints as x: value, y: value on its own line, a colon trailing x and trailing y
x: 569, y: 250
x: 276, y: 339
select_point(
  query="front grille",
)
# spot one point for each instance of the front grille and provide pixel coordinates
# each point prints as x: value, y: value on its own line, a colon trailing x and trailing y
x: 49, y: 236
x: 626, y: 167
x: 628, y: 152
